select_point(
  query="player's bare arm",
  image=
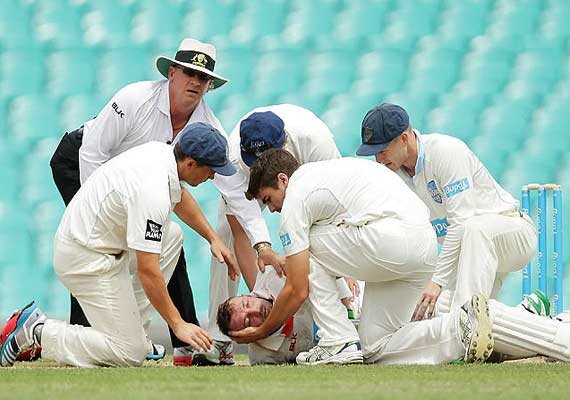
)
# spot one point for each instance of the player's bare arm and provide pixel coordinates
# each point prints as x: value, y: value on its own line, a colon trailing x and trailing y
x: 245, y: 254
x: 190, y: 213
x: 148, y: 269
x: 290, y: 299
x: 425, y: 308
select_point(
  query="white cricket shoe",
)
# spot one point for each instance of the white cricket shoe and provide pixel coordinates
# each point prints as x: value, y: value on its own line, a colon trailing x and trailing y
x: 475, y: 325
x: 221, y: 353
x: 346, y: 353
x: 18, y: 335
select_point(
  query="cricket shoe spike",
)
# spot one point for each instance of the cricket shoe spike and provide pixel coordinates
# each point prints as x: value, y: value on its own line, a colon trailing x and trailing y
x: 475, y: 328
x: 346, y: 353
x: 18, y: 334
x: 536, y: 303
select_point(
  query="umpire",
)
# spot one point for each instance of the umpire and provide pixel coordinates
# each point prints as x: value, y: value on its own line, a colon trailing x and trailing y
x: 139, y: 113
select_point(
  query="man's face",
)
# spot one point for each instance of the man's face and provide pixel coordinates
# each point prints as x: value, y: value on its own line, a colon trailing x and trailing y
x: 394, y: 155
x: 248, y: 311
x: 274, y: 198
x: 188, y: 86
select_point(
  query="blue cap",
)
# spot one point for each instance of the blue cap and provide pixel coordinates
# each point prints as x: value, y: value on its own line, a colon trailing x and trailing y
x: 380, y: 125
x: 207, y: 145
x: 259, y: 132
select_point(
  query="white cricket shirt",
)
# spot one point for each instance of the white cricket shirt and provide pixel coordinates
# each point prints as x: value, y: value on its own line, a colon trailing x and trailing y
x: 136, y: 114
x: 455, y: 186
x: 126, y: 203
x: 347, y: 191
x: 308, y: 140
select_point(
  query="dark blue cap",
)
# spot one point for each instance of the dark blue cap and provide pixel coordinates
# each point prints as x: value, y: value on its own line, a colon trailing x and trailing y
x: 380, y: 125
x: 259, y: 132
x: 207, y: 145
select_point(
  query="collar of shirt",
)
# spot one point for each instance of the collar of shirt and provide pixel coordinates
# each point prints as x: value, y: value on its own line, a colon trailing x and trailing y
x: 174, y: 183
x: 164, y: 99
x: 421, y: 156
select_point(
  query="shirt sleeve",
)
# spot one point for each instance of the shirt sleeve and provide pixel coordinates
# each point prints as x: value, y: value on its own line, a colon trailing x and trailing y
x: 106, y: 133
x: 454, y: 168
x: 295, y: 225
x: 248, y: 213
x: 147, y: 218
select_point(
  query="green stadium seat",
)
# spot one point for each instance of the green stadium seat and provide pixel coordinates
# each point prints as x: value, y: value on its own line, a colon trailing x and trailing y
x: 512, y: 19
x: 107, y: 22
x: 21, y: 72
x: 236, y: 63
x: 301, y: 23
x: 315, y: 103
x: 492, y: 157
x: 32, y: 118
x: 554, y: 21
x: 38, y: 186
x: 443, y: 40
x: 71, y: 72
x: 208, y: 19
x: 434, y: 70
x: 453, y: 19
x: 257, y: 19
x: 237, y: 105
x: 15, y: 25
x: 452, y: 120
x: 121, y: 66
x: 362, y: 19
x: 148, y: 24
x: 330, y: 72
x: 278, y: 72
x: 383, y: 71
x: 58, y: 22
x: 78, y: 109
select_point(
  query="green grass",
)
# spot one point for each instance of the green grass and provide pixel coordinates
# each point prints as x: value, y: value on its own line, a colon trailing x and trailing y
x: 161, y: 382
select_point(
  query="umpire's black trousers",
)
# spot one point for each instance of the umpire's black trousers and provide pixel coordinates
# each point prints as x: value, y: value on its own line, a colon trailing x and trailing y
x: 65, y: 169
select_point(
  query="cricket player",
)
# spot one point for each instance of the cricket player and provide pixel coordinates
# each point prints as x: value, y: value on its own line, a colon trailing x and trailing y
x: 116, y: 248
x: 484, y: 235
x: 296, y: 334
x: 356, y: 218
x: 517, y: 333
x: 139, y: 113
x: 241, y: 222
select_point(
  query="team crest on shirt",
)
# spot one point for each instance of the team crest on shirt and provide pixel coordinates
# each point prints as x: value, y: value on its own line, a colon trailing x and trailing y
x: 285, y: 239
x: 435, y: 195
x: 153, y: 231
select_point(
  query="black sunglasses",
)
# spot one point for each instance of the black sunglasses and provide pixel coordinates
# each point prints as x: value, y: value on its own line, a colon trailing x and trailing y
x: 193, y: 73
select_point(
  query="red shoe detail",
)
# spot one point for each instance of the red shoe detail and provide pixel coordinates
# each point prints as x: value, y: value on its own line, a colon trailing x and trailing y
x: 182, y: 361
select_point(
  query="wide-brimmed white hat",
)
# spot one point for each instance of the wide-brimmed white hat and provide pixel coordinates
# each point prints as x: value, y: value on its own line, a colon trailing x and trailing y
x: 195, y: 55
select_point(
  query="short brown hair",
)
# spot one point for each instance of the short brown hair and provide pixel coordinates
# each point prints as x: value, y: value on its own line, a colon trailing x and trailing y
x: 224, y: 316
x: 264, y: 171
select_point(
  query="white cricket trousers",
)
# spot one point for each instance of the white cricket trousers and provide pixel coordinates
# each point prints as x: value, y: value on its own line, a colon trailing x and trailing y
x: 113, y: 299
x: 492, y: 246
x: 395, y: 260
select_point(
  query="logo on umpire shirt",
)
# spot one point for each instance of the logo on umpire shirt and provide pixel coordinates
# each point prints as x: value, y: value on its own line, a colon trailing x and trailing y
x: 435, y: 195
x: 153, y: 231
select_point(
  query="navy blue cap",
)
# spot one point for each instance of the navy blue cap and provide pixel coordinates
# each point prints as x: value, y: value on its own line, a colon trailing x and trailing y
x: 380, y: 125
x: 259, y: 132
x: 207, y: 145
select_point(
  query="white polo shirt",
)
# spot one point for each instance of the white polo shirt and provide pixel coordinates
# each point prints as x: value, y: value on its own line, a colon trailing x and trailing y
x: 136, y: 114
x: 308, y: 140
x: 455, y: 186
x: 126, y: 203
x: 347, y: 191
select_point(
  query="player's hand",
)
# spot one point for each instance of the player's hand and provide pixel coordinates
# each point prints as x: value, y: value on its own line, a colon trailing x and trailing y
x: 247, y: 335
x: 225, y: 256
x: 353, y: 286
x: 425, y: 308
x: 195, y: 336
x: 268, y: 257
